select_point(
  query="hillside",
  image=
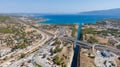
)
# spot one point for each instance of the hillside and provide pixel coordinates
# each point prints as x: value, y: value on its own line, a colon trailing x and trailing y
x: 102, y: 12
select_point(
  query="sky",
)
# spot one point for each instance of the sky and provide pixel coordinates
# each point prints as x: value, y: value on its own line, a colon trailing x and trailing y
x: 56, y: 6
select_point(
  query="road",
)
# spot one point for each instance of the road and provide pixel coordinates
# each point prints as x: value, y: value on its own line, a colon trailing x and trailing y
x: 89, y: 45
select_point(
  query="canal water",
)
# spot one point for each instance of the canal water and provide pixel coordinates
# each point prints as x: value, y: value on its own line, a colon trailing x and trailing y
x: 73, y: 19
x: 76, y: 58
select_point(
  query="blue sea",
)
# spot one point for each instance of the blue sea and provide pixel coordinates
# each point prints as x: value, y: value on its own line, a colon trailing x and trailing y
x: 73, y: 19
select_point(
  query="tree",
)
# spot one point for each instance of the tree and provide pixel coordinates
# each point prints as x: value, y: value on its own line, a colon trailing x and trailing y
x: 38, y: 65
x: 44, y: 55
x: 57, y: 60
x: 118, y: 46
x: 22, y: 55
x: 51, y: 51
x: 118, y: 58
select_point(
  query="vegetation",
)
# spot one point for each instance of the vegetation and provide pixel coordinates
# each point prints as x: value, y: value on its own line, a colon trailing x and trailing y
x: 37, y: 65
x: 92, y: 40
x: 56, y: 50
x: 4, y: 18
x: 88, y: 31
x: 113, y: 20
x: 20, y: 46
x: 51, y: 51
x: 118, y: 58
x: 57, y: 60
x: 66, y: 43
x: 22, y: 55
x: 74, y: 30
x: 56, y: 42
x: 103, y: 32
x: 101, y: 22
x: 5, y: 30
x: 44, y: 55
x: 118, y: 46
x: 113, y: 32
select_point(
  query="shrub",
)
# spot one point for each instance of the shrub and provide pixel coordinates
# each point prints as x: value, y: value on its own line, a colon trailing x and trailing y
x: 37, y: 65
x: 44, y: 55
x: 118, y: 46
x: 57, y: 60
x: 22, y: 55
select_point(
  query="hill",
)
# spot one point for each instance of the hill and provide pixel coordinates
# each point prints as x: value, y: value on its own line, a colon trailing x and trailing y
x: 102, y: 12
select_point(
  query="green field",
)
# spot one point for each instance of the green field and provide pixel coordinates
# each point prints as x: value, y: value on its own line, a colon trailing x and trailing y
x: 5, y: 30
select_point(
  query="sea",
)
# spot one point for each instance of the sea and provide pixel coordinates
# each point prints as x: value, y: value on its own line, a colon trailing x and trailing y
x: 74, y: 19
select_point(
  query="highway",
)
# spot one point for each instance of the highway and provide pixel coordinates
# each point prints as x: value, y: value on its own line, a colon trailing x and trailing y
x: 89, y: 45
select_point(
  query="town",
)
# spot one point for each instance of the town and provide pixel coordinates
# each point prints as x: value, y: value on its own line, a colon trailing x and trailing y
x: 28, y: 44
x: 103, y: 32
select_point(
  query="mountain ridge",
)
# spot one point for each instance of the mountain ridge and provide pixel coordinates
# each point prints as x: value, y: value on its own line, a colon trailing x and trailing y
x: 102, y: 12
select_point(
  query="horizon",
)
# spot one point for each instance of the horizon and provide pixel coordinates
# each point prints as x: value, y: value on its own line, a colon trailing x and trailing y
x: 55, y: 13
x: 55, y: 7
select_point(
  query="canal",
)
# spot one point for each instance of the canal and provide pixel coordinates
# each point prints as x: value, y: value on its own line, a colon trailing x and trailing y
x: 76, y: 59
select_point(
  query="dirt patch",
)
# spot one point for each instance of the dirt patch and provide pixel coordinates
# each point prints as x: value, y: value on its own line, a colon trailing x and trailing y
x: 86, y: 61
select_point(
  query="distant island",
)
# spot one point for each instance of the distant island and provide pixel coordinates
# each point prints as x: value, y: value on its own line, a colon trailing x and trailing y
x: 102, y: 12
